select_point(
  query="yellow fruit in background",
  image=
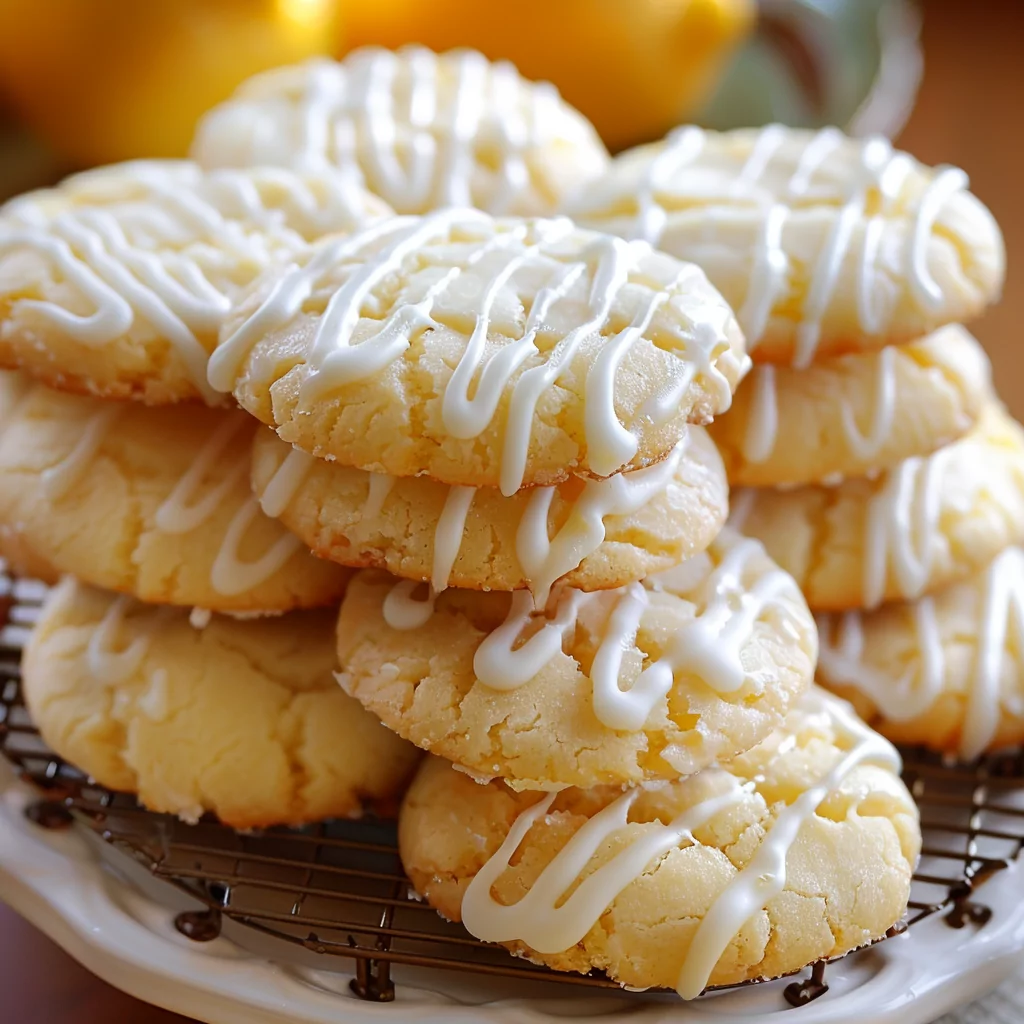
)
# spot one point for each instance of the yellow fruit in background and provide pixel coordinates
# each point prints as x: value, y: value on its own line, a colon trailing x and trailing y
x: 106, y: 80
x: 634, y: 67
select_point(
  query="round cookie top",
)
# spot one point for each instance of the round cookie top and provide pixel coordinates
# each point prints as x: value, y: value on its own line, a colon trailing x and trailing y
x: 115, y: 282
x: 853, y: 415
x: 592, y: 534
x: 482, y: 351
x: 748, y: 871
x: 911, y: 530
x: 946, y: 672
x: 422, y: 130
x: 649, y: 681
x: 822, y: 243
x: 242, y: 719
x: 151, y: 502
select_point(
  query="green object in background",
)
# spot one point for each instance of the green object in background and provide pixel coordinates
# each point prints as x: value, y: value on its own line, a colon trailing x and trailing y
x: 854, y: 63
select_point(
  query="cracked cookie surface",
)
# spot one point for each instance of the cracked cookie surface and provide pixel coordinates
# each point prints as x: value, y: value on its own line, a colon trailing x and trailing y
x: 115, y: 282
x: 482, y: 352
x: 593, y: 535
x: 649, y: 681
x: 243, y: 719
x: 153, y: 502
x: 679, y: 885
x: 853, y: 415
x: 823, y: 244
x: 946, y: 671
x: 423, y: 130
x: 922, y: 525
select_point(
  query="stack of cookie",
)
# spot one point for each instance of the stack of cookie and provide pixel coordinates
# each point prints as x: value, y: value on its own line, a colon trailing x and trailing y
x: 499, y: 412
x: 115, y: 473
x: 500, y: 424
x: 879, y: 468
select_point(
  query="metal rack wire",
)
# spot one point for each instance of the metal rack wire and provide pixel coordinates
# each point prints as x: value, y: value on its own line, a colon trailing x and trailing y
x: 338, y: 889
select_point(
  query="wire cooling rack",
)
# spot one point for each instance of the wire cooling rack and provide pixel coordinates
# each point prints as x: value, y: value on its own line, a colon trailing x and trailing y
x: 338, y: 889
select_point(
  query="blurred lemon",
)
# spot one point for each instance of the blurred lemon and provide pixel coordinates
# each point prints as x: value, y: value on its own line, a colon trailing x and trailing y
x: 634, y: 67
x: 106, y: 80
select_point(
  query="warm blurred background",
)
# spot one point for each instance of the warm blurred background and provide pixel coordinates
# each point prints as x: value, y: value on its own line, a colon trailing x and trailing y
x: 91, y: 81
x: 84, y: 82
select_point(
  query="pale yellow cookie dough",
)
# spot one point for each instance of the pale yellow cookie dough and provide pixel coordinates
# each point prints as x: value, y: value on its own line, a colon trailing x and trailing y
x: 821, y: 243
x: 847, y: 874
x: 83, y: 482
x: 849, y: 416
x: 423, y: 130
x: 909, y: 531
x: 728, y: 637
x: 483, y: 351
x: 392, y: 523
x: 115, y: 282
x: 243, y: 719
x: 946, y: 671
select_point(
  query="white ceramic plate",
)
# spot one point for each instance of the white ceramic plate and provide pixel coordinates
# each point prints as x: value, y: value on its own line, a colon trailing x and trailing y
x: 121, y: 928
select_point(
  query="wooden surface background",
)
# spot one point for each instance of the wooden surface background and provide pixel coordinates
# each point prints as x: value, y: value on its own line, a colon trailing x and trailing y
x: 970, y: 114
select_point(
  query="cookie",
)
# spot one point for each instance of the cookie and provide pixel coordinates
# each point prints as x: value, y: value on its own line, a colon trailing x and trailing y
x: 592, y: 535
x: 483, y: 352
x: 855, y: 414
x: 799, y: 850
x: 822, y: 244
x: 152, y: 502
x: 241, y: 719
x: 649, y: 681
x: 946, y: 671
x: 911, y: 530
x: 423, y: 130
x: 115, y: 282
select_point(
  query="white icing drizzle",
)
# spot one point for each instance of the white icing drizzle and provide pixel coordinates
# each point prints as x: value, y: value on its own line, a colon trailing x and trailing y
x: 285, y: 483
x: 537, y: 918
x: 403, y: 610
x: 764, y: 876
x: 182, y: 512
x: 880, y: 170
x: 999, y: 635
x: 230, y: 576
x: 103, y: 656
x: 708, y: 645
x: 379, y: 489
x: 451, y: 525
x: 171, y: 252
x: 901, y: 523
x: 549, y: 926
x: 504, y: 248
x: 409, y: 125
x: 763, y: 424
x: 58, y: 480
x: 545, y: 559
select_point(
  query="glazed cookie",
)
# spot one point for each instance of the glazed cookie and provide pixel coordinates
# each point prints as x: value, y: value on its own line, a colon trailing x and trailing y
x: 115, y: 282
x: 155, y: 503
x: 855, y: 414
x: 592, y: 535
x: 822, y: 243
x: 420, y: 129
x: 483, y: 352
x: 798, y: 850
x: 911, y: 530
x: 946, y: 671
x: 650, y: 681
x: 242, y: 719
